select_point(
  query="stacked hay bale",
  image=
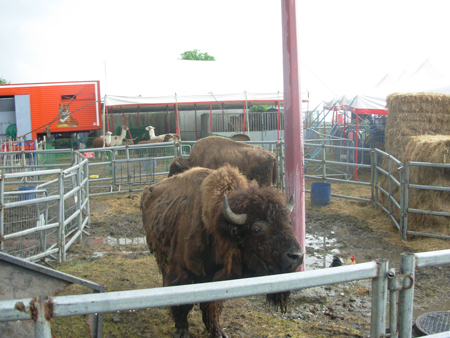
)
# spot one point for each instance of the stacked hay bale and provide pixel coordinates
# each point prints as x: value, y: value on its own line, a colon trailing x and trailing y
x: 418, y: 129
x: 413, y: 115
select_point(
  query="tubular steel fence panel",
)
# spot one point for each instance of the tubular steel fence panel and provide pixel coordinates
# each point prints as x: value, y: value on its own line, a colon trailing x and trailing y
x: 48, y: 220
x: 395, y: 194
x: 186, y: 294
x: 44, y: 211
x: 399, y: 286
x: 378, y: 157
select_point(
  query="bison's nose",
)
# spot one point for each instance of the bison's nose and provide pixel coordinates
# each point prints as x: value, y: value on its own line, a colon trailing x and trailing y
x: 292, y: 259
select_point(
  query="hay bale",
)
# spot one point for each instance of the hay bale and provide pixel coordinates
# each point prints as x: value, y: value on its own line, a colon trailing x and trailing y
x: 413, y: 115
x: 434, y: 149
x: 427, y: 148
x: 418, y: 129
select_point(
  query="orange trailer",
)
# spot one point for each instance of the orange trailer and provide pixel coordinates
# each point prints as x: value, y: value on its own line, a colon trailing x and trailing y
x: 64, y: 107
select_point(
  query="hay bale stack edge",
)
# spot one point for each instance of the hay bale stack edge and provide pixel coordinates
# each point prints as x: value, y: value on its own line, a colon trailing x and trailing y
x: 418, y: 129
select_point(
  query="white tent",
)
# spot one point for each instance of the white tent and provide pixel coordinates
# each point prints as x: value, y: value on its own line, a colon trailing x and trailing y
x: 425, y: 79
x: 183, y: 81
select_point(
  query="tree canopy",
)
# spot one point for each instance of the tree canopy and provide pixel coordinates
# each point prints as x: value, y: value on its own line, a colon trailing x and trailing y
x: 3, y: 81
x: 196, y: 55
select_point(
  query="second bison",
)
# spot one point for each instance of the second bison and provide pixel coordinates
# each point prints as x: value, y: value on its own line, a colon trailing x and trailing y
x: 213, y: 152
x: 210, y: 225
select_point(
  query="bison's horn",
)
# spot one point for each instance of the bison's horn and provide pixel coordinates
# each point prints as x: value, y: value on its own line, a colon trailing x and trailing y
x: 178, y: 165
x: 230, y: 216
x: 291, y: 203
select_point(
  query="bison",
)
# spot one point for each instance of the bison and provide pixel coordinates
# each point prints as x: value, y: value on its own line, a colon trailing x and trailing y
x: 207, y: 225
x: 213, y: 152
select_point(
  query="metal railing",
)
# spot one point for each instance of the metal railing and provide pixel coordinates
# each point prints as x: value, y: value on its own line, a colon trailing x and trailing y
x: 44, y: 211
x: 395, y: 191
x: 49, y: 219
x: 186, y: 294
x: 400, y: 288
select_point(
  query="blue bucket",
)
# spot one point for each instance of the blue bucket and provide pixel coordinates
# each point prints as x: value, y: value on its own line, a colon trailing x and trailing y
x: 320, y: 194
x: 23, y: 197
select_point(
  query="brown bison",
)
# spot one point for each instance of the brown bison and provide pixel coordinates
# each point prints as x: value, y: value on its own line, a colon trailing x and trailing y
x: 213, y: 152
x: 208, y: 225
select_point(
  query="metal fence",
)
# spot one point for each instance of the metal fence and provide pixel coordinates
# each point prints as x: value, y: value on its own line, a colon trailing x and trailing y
x: 384, y: 281
x: 45, y: 204
x: 390, y: 179
x: 43, y: 211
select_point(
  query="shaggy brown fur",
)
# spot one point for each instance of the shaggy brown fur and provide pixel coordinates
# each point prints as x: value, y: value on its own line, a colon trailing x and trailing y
x: 213, y: 152
x: 99, y: 142
x: 194, y: 243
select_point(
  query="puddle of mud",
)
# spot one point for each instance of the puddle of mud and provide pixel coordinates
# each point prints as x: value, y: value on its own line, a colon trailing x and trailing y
x: 323, y: 248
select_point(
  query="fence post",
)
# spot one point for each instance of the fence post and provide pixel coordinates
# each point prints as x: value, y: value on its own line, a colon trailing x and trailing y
x: 393, y: 287
x: 61, y: 232
x: 79, y: 202
x: 406, y: 295
x: 324, y: 166
x: 86, y: 192
x: 375, y: 180
x: 372, y: 177
x: 405, y: 201
x: 402, y: 203
x: 42, y: 328
x: 390, y: 186
x: 379, y: 300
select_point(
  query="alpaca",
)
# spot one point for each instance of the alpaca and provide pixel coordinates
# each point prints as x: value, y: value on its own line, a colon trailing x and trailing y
x: 128, y: 142
x: 116, y: 140
x: 161, y: 138
x: 167, y: 138
x: 102, y: 141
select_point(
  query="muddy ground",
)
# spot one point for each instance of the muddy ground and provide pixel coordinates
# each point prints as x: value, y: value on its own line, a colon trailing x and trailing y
x: 115, y: 254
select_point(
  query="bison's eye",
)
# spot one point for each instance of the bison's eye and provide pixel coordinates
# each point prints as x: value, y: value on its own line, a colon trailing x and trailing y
x: 258, y: 226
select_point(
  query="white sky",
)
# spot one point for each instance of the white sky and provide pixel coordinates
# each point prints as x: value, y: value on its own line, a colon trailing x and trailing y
x: 348, y: 45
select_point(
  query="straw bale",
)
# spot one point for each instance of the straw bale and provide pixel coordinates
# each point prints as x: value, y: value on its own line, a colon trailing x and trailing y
x: 418, y: 129
x: 413, y: 115
x: 428, y: 148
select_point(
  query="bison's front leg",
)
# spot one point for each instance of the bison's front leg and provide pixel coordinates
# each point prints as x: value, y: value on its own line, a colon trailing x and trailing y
x: 210, y: 313
x: 180, y: 314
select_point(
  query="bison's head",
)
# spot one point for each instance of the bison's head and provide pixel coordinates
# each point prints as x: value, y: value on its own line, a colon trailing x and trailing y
x: 179, y: 165
x: 259, y: 219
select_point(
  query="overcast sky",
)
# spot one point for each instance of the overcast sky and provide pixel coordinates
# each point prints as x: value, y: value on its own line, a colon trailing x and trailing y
x: 343, y: 45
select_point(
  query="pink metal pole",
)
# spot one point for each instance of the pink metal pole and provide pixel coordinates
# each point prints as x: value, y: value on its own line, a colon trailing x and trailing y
x: 168, y: 119
x: 293, y: 124
x: 177, y: 127
x: 107, y: 118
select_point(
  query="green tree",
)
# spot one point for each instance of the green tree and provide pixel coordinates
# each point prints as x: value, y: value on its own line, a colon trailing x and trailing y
x: 260, y: 108
x: 196, y: 55
x: 3, y: 81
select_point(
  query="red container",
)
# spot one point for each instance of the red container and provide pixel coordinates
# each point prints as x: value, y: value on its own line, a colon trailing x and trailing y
x: 66, y: 107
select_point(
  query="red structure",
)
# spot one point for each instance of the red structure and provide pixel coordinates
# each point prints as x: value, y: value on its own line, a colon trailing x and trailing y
x: 64, y: 107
